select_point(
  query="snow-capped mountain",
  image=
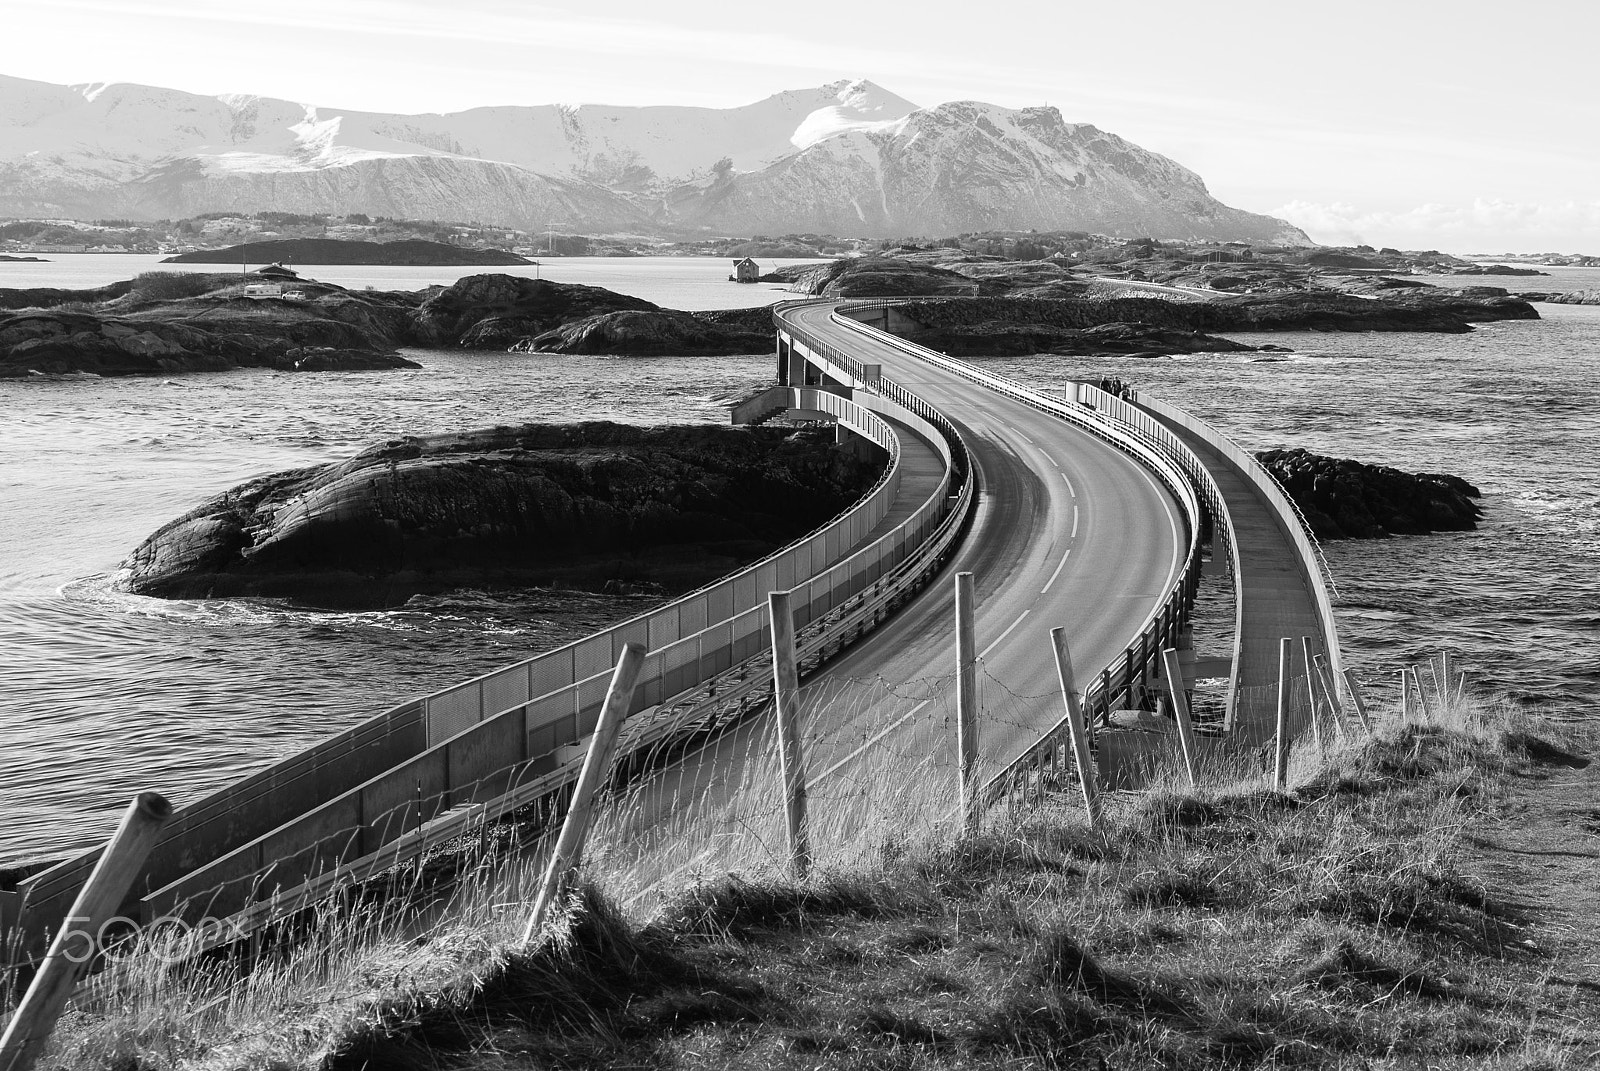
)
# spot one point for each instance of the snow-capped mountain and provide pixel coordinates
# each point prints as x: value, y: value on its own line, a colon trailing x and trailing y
x: 849, y: 158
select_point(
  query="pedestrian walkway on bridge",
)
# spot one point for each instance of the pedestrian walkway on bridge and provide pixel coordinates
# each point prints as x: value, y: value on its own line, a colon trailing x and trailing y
x: 1276, y: 593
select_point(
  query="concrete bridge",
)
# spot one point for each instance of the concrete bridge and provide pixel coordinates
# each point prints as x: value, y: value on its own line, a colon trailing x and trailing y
x: 1088, y: 511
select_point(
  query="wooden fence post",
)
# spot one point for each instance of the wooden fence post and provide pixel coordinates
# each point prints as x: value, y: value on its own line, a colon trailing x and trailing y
x: 1180, y: 710
x: 1280, y: 763
x: 596, y: 769
x: 1357, y: 700
x: 1330, y: 694
x: 786, y: 702
x: 967, y: 701
x: 1088, y: 776
x: 1422, y: 699
x: 1312, y: 704
x: 1405, y: 697
x: 97, y: 903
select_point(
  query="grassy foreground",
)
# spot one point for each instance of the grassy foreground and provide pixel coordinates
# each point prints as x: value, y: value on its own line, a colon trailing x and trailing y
x: 1226, y: 926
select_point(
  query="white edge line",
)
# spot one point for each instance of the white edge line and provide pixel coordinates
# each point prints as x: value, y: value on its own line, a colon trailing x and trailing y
x: 985, y: 652
x: 1052, y: 580
x: 879, y: 735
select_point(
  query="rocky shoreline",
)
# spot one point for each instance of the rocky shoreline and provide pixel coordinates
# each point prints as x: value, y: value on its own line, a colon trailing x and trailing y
x: 596, y: 506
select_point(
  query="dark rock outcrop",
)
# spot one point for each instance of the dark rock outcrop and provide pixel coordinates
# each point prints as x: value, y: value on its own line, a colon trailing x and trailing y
x: 211, y: 332
x: 1343, y: 499
x: 328, y: 359
x: 880, y: 277
x: 583, y: 505
x: 1496, y: 269
x: 648, y: 333
x: 413, y: 251
x: 495, y: 311
x: 48, y: 297
x: 1000, y: 339
x: 1405, y: 310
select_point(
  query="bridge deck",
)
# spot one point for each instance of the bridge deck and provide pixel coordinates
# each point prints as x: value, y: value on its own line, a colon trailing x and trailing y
x: 1276, y: 595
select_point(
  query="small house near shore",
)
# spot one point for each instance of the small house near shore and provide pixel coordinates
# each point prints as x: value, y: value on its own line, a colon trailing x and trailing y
x: 277, y: 271
x: 746, y: 271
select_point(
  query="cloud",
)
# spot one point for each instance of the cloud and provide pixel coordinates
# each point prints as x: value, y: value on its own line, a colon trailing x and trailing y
x: 1484, y: 225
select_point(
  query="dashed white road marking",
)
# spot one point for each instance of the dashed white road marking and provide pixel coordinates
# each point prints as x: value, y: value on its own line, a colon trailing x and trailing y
x: 1052, y: 580
x: 1074, y: 520
x: 1071, y: 490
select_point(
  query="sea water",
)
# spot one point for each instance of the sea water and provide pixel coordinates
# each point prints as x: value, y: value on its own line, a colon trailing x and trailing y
x: 103, y: 694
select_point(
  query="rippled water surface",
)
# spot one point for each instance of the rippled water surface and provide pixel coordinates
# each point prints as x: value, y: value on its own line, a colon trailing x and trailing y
x: 104, y: 693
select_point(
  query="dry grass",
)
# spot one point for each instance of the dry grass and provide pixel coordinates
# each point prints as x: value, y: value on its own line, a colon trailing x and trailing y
x: 1228, y: 925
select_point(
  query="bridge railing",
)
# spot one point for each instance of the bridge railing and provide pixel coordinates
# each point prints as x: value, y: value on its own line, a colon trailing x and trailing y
x: 558, y: 692
x: 1224, y: 544
x: 523, y: 755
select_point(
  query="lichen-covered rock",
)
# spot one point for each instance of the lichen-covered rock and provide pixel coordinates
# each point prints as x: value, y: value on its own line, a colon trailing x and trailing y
x: 1344, y: 499
x: 582, y: 505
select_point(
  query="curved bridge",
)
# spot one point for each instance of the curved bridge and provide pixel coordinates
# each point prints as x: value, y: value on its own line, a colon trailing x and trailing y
x: 1092, y: 512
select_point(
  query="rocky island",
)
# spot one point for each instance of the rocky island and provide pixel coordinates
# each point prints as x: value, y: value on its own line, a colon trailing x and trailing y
x: 597, y: 506
x: 414, y: 252
x: 167, y: 323
x: 1343, y: 499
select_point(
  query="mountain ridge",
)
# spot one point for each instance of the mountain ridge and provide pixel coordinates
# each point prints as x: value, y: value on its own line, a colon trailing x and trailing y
x: 848, y: 157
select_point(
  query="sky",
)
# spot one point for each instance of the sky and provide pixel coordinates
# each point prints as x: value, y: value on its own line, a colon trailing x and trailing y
x: 1465, y: 126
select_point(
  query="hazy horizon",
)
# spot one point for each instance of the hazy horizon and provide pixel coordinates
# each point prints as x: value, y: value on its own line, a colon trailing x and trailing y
x: 1419, y: 125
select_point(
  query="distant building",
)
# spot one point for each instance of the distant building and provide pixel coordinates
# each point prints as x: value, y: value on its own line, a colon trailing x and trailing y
x: 746, y: 271
x: 277, y: 271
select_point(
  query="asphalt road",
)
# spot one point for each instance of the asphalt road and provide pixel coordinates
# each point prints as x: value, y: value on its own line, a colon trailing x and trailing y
x: 1068, y: 532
